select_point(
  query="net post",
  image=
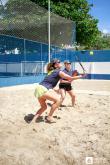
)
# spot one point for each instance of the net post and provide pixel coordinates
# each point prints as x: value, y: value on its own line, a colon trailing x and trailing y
x: 42, y: 63
x: 41, y: 51
x: 21, y: 69
x: 48, y: 30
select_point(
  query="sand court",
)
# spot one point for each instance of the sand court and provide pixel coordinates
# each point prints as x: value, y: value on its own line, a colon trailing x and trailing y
x: 79, y: 132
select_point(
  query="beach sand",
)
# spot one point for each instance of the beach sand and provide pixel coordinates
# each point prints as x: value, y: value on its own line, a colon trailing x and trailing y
x: 80, y: 135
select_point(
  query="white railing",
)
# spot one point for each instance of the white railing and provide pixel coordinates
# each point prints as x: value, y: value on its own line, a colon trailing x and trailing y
x: 23, y: 68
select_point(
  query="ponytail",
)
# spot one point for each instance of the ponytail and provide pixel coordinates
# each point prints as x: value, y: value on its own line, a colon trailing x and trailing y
x: 50, y: 67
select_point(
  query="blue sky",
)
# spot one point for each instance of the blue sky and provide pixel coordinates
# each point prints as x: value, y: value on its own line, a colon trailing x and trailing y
x: 101, y: 11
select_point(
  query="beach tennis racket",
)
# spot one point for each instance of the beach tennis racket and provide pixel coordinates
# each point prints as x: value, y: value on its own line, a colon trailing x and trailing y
x: 77, y: 58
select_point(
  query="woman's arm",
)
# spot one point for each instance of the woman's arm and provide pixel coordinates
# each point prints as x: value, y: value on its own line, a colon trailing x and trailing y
x: 69, y: 78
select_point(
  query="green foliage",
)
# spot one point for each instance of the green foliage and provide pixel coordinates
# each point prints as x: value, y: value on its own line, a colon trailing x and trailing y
x: 102, y: 43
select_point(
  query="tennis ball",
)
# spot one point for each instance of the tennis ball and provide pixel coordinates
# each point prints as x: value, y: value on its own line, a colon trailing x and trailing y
x: 91, y: 52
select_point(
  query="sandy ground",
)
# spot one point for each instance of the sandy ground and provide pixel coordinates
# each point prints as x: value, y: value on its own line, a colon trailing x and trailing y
x: 81, y: 132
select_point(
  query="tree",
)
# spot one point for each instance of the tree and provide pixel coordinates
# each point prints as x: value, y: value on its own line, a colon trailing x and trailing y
x: 102, y: 43
x: 78, y: 11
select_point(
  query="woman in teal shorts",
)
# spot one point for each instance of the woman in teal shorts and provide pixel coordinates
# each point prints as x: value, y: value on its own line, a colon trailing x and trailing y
x: 44, y: 90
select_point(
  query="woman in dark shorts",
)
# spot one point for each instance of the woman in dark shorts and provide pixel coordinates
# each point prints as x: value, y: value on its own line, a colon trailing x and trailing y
x: 65, y: 86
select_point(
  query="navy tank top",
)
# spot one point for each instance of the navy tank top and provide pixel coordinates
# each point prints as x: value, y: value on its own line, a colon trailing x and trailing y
x: 51, y: 80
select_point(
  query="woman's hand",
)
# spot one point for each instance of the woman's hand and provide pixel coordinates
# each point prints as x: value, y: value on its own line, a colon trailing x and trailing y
x: 84, y: 75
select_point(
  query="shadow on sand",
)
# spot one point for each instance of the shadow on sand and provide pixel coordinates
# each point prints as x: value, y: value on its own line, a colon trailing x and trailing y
x: 28, y: 118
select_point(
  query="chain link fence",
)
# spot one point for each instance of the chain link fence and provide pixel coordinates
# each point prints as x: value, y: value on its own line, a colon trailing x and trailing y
x: 24, y: 37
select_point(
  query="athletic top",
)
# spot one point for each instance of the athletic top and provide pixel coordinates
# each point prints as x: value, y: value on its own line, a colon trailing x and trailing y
x: 51, y: 80
x: 69, y: 72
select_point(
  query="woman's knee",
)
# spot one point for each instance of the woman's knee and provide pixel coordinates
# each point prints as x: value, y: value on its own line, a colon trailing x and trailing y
x: 62, y: 98
x: 71, y: 94
x: 44, y: 106
x: 57, y: 101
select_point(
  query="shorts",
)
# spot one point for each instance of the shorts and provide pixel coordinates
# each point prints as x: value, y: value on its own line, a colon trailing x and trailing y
x: 65, y: 86
x: 40, y: 91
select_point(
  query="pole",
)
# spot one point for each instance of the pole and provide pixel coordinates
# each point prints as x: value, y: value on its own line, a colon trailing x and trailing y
x: 49, y: 30
x: 24, y: 55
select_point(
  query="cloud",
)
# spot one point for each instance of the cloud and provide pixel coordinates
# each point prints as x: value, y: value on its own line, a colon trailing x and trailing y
x: 105, y: 31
